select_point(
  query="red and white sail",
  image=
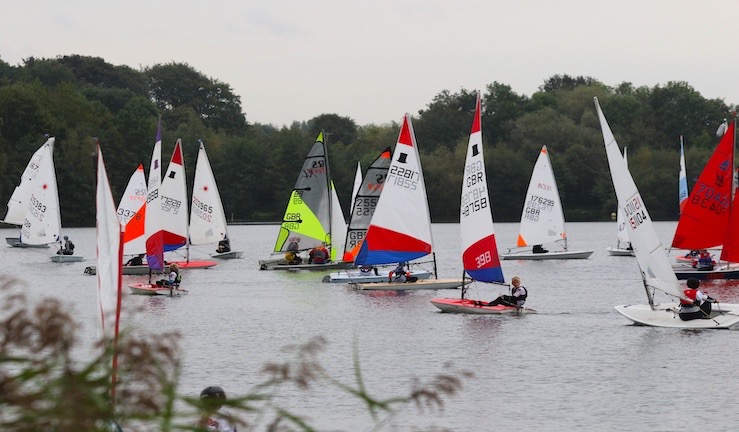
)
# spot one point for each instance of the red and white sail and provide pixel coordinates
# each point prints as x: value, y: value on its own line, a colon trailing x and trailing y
x: 400, y: 230
x: 132, y: 213
x: 479, y: 250
x: 174, y: 202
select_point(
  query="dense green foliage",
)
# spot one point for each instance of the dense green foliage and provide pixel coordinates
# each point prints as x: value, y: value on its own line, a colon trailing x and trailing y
x: 78, y: 98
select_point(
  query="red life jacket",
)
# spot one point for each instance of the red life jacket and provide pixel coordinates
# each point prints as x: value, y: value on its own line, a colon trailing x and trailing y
x: 691, y: 294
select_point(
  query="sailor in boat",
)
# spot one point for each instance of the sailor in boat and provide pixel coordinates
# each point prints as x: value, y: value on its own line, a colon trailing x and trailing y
x: 538, y: 249
x: 291, y: 256
x: 697, y: 305
x: 704, y: 262
x: 136, y: 261
x: 68, y: 248
x: 517, y: 297
x: 224, y: 246
x: 366, y: 270
x: 175, y: 278
x: 318, y: 255
x: 214, y: 418
x: 401, y: 275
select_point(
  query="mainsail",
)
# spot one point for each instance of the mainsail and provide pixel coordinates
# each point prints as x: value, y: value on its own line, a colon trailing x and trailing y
x: 207, y: 218
x: 18, y: 202
x: 132, y: 214
x: 479, y: 250
x: 174, y: 202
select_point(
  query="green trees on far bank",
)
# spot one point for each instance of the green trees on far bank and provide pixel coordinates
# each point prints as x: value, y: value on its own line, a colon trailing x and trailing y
x: 77, y: 99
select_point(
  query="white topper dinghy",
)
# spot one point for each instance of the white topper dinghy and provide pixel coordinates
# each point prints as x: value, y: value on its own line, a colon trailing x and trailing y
x: 542, y: 219
x: 657, y: 274
x: 479, y: 250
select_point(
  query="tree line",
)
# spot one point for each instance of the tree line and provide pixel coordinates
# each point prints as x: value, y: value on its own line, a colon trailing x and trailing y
x: 81, y: 99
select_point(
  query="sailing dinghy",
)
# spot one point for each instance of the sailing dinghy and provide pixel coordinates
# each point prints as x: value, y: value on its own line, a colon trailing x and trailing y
x: 708, y: 218
x: 207, y: 218
x: 18, y: 202
x: 479, y: 250
x: 400, y: 229
x: 155, y: 239
x: 543, y: 220
x: 623, y: 246
x: 653, y: 262
x: 308, y: 220
x: 363, y: 207
x: 42, y: 222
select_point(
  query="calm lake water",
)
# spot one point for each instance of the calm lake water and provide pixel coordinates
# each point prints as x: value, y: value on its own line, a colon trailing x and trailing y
x: 576, y: 365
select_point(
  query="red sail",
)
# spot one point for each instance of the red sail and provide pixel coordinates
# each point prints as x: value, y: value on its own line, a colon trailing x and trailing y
x: 704, y: 220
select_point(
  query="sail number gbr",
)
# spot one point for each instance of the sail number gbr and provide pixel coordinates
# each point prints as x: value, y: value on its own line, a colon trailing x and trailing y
x: 475, y: 199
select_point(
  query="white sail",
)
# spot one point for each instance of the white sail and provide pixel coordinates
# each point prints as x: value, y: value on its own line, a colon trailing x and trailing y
x: 153, y: 223
x: 207, y: 218
x: 174, y: 202
x: 357, y: 184
x: 18, y: 201
x: 338, y: 226
x: 42, y: 223
x: 622, y: 234
x: 542, y: 220
x: 132, y: 213
x: 649, y: 251
x: 109, y: 255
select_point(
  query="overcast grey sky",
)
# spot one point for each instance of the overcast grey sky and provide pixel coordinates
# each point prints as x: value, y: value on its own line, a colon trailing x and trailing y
x: 291, y: 60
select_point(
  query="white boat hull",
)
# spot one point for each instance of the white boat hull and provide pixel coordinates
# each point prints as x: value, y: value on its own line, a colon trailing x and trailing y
x: 228, y: 255
x: 356, y: 276
x: 528, y: 255
x: 128, y: 270
x: 429, y: 284
x: 468, y: 306
x: 153, y: 289
x: 620, y: 251
x: 66, y: 258
x: 16, y: 242
x: 723, y: 315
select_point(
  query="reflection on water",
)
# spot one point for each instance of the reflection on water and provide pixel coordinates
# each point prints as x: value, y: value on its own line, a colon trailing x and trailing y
x: 573, y: 366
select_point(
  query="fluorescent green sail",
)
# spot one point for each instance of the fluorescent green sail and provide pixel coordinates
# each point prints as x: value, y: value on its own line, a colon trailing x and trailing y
x: 307, y: 220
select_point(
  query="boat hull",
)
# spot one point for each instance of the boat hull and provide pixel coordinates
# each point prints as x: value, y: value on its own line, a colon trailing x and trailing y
x: 66, y: 258
x: 16, y: 242
x: 723, y: 316
x: 194, y: 264
x: 356, y: 276
x: 153, y: 289
x: 612, y: 251
x: 128, y: 270
x: 228, y: 255
x: 281, y: 264
x: 683, y: 273
x: 584, y: 254
x: 468, y: 306
x: 429, y: 284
